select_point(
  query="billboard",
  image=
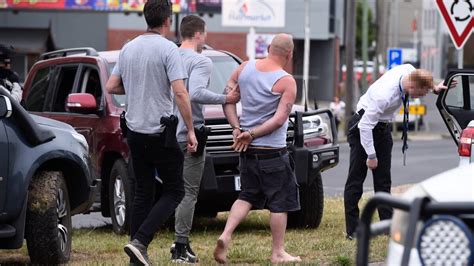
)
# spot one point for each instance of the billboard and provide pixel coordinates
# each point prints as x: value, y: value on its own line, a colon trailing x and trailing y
x: 253, y: 13
x: 208, y: 6
x: 179, y: 6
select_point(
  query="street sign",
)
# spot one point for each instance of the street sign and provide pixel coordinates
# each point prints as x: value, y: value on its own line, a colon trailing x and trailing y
x: 419, y: 109
x: 458, y: 16
x: 394, y: 58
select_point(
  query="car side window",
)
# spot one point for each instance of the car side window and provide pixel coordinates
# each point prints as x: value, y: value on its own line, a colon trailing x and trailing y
x: 90, y: 83
x: 454, y: 97
x: 64, y: 87
x: 38, y: 90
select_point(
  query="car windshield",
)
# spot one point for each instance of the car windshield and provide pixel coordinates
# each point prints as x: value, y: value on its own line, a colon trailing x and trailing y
x: 223, y: 66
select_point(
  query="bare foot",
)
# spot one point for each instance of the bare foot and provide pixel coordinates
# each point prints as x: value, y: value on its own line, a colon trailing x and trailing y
x: 283, y: 258
x: 220, y: 252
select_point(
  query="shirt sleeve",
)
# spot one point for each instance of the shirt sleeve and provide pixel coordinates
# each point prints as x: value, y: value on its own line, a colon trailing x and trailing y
x: 17, y: 92
x: 174, y: 65
x: 198, y: 83
x: 117, y: 71
x: 368, y: 121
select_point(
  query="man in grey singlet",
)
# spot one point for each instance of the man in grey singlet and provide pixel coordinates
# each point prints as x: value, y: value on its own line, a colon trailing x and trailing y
x: 267, y: 95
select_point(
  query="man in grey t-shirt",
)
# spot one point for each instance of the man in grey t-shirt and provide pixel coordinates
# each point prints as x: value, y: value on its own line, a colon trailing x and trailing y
x: 147, y: 67
x: 198, y: 67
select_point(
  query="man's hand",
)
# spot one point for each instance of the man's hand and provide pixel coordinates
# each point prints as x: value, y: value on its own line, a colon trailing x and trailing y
x: 233, y: 96
x: 192, y: 142
x: 242, y: 142
x: 438, y: 88
x: 372, y: 163
x: 235, y: 133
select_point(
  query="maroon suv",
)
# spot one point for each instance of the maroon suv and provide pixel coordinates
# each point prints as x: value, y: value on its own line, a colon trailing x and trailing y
x: 69, y: 85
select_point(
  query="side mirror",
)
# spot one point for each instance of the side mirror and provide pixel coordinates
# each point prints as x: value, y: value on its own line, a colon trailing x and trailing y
x: 81, y: 102
x: 5, y: 107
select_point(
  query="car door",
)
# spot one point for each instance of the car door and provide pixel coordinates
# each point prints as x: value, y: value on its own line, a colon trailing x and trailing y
x: 456, y: 105
x: 88, y: 123
x: 3, y: 164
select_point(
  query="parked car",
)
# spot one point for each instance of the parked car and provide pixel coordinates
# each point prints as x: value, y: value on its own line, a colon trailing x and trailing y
x: 359, y: 70
x: 432, y: 224
x: 45, y: 178
x: 434, y: 221
x: 69, y: 85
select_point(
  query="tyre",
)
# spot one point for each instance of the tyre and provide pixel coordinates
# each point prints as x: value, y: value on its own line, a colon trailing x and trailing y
x: 120, y: 197
x: 48, y: 219
x: 312, y: 205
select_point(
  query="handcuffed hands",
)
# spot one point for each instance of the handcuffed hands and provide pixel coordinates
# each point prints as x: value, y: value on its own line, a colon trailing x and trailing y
x: 242, y: 141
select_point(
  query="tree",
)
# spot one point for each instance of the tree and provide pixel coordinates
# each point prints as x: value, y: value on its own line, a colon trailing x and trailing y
x: 372, y: 31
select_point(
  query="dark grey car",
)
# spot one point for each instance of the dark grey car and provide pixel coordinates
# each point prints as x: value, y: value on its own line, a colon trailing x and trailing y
x: 44, y: 179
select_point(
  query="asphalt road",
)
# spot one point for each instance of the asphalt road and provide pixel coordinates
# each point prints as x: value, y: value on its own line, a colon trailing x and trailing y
x: 424, y: 159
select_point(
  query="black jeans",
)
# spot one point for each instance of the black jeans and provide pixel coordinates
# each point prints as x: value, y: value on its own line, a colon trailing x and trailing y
x: 148, y: 155
x: 358, y: 171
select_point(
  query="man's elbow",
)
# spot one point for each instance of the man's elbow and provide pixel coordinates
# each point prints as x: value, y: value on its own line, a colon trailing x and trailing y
x: 109, y: 88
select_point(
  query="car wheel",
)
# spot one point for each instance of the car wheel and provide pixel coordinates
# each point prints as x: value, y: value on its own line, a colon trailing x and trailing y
x: 48, y: 219
x: 120, y: 197
x: 312, y: 205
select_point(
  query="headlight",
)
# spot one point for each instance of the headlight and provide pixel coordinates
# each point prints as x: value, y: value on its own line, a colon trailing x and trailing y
x: 80, y: 138
x: 314, y: 126
x: 400, y: 219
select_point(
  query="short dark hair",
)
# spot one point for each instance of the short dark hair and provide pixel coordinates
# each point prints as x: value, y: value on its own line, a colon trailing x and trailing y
x: 156, y: 12
x: 190, y: 25
x: 6, y: 54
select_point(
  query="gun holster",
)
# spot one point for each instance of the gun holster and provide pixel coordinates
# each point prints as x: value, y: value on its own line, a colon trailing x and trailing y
x: 171, y: 124
x: 201, y: 136
x: 123, y: 124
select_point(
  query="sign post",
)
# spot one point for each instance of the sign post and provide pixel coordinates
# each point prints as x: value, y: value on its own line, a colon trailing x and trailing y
x: 457, y: 16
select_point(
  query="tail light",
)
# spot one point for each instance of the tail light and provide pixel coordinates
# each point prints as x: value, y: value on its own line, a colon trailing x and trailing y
x: 465, y: 143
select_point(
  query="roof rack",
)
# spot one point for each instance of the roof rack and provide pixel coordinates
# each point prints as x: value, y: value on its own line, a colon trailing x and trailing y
x: 89, y: 51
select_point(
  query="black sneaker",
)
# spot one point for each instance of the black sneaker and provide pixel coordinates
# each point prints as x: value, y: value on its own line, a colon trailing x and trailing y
x: 137, y: 252
x: 182, y: 253
x: 350, y: 237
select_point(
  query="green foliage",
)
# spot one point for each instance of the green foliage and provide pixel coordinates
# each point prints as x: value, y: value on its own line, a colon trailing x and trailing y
x: 372, y: 29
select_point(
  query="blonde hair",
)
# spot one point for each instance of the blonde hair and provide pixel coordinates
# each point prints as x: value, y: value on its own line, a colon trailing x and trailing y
x: 422, y: 79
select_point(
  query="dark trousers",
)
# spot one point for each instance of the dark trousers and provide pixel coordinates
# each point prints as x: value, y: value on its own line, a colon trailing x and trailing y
x: 358, y: 171
x: 148, y: 155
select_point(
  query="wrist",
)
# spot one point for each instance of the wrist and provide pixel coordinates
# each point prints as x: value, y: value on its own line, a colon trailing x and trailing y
x: 252, y: 133
x: 237, y: 127
x: 372, y: 156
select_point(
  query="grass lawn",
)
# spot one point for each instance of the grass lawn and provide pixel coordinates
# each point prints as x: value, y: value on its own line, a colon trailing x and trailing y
x: 251, y: 243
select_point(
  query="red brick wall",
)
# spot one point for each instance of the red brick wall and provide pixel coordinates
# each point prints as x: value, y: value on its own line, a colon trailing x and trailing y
x: 235, y: 43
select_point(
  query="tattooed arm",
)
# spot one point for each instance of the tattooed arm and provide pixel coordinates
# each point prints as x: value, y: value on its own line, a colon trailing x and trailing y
x: 232, y: 90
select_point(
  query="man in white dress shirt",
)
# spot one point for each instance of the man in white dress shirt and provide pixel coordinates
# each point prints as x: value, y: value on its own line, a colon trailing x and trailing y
x: 370, y: 137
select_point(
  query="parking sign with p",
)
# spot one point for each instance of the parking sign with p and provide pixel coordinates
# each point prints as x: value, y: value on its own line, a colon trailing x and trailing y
x: 394, y: 58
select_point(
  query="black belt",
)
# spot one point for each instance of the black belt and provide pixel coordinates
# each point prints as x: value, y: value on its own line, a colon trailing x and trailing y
x: 263, y: 154
x: 379, y: 124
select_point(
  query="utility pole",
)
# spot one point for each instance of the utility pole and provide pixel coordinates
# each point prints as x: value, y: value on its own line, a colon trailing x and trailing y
x: 306, y: 57
x: 350, y: 51
x: 365, y: 41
